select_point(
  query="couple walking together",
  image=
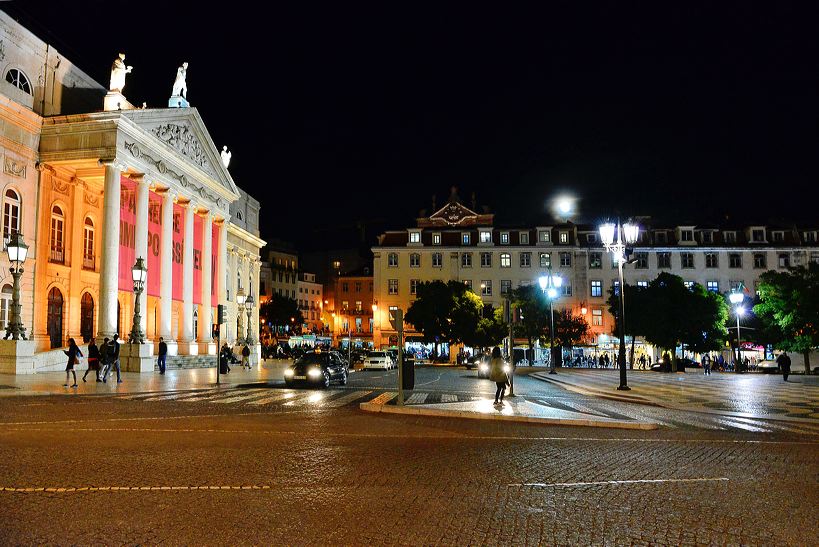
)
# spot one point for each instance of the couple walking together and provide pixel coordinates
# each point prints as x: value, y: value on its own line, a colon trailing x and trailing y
x: 106, y: 356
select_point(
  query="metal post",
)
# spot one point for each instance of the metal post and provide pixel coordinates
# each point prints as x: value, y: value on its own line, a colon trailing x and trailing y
x: 551, y: 337
x: 739, y: 353
x: 218, y: 351
x: 399, y: 327
x: 621, y: 354
x: 15, y: 328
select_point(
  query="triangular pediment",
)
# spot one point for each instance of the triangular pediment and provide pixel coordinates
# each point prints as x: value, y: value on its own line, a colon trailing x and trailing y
x: 454, y: 213
x: 183, y: 130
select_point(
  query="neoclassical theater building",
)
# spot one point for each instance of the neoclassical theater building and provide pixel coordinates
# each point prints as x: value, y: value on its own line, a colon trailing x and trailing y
x: 92, y: 182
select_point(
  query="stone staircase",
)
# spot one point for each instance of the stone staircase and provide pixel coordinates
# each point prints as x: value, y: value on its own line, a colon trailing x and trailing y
x: 177, y: 362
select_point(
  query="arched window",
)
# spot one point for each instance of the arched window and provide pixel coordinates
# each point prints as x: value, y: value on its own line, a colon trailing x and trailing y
x: 11, y: 214
x: 88, y: 244
x: 57, y: 224
x: 5, y: 305
x: 239, y: 215
x: 19, y: 80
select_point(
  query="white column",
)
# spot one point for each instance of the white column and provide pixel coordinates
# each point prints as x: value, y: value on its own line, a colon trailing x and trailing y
x: 205, y: 314
x: 222, y: 272
x: 166, y: 269
x: 109, y: 253
x: 187, y: 281
x: 141, y: 242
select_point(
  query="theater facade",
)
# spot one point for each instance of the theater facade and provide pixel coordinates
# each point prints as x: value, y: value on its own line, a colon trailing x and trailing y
x: 91, y: 189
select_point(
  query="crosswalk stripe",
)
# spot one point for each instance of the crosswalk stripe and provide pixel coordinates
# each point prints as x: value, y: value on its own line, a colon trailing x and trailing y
x: 417, y: 398
x: 311, y: 397
x: 745, y: 427
x: 343, y: 400
x: 249, y: 394
x: 777, y: 425
x: 449, y: 398
x: 582, y: 408
x: 208, y: 397
x: 180, y: 395
x: 274, y: 398
x: 384, y: 398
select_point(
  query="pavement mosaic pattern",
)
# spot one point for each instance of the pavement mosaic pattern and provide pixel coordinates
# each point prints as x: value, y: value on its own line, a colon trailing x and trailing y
x: 758, y: 395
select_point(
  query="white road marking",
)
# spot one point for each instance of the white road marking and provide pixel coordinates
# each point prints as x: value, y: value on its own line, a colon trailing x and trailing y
x: 310, y: 397
x: 607, y: 483
x: 384, y: 398
x: 249, y: 394
x: 449, y: 398
x: 417, y: 398
x: 739, y: 425
x: 343, y: 400
x: 179, y: 395
x: 273, y: 398
x: 431, y: 381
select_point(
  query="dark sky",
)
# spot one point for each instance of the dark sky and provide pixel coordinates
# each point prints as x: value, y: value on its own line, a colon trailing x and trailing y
x: 345, y: 111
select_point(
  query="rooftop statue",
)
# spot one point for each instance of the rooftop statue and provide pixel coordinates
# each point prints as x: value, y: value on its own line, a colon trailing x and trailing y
x: 118, y: 72
x: 226, y: 156
x: 180, y: 87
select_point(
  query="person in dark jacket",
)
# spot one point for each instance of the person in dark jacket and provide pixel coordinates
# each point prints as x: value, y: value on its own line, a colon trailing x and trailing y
x: 112, y: 359
x: 162, y: 355
x: 73, y: 353
x: 246, y: 357
x: 783, y: 361
x: 93, y: 360
x: 498, y: 375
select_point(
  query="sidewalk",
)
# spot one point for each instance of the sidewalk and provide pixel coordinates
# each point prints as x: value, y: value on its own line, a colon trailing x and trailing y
x: 51, y: 383
x: 746, y: 395
x: 514, y: 409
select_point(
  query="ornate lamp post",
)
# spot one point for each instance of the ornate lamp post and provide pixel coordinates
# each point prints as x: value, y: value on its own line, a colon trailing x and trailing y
x: 249, y: 302
x: 139, y: 273
x: 240, y: 300
x: 549, y: 285
x: 736, y: 299
x: 621, y: 249
x: 17, y: 251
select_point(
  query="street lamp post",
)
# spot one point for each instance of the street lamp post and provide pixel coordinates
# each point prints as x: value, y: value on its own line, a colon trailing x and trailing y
x: 17, y: 251
x: 736, y: 299
x: 249, y: 302
x: 621, y: 248
x: 240, y: 300
x: 139, y: 273
x: 549, y: 285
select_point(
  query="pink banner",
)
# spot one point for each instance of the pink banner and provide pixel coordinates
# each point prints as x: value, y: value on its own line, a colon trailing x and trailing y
x: 214, y: 267
x: 178, y: 249
x: 198, y: 236
x: 127, y: 231
x: 154, y: 243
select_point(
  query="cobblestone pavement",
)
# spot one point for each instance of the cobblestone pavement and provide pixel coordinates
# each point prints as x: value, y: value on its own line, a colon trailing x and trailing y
x: 111, y: 470
x: 756, y: 395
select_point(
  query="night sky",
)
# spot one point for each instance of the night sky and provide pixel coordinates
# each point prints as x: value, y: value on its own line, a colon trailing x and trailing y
x: 344, y: 112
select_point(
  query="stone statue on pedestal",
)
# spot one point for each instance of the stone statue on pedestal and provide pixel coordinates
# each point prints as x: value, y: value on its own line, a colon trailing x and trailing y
x: 180, y: 87
x: 226, y: 156
x: 118, y: 72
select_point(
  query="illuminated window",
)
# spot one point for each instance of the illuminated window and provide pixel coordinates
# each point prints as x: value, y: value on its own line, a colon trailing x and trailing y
x: 544, y: 236
x: 712, y: 286
x: 415, y: 237
x: 505, y: 260
x: 597, y: 318
x: 597, y: 288
x: 465, y: 238
x: 564, y: 237
x: 486, y: 287
x: 545, y: 260
x: 504, y: 238
x: 486, y: 237
x: 436, y: 239
x: 57, y: 247
x: 595, y: 261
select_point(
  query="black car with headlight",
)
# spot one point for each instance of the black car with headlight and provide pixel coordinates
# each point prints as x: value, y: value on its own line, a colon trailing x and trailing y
x: 317, y: 368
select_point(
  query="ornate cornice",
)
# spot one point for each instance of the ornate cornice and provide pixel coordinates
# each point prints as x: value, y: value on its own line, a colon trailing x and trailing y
x: 59, y: 186
x: 14, y: 167
x: 135, y: 151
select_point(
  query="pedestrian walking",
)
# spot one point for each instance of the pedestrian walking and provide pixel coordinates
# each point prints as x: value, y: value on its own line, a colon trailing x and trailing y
x: 246, y: 357
x: 498, y: 375
x: 162, y: 353
x: 113, y: 359
x: 783, y: 361
x: 706, y: 364
x: 607, y: 360
x: 224, y: 359
x: 74, y: 354
x: 93, y: 360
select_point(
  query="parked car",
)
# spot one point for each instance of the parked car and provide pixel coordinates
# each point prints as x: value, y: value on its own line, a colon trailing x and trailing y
x: 379, y: 360
x: 767, y: 367
x: 317, y: 368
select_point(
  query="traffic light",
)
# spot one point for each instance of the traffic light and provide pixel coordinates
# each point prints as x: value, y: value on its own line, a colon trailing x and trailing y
x: 215, y: 332
x: 220, y: 314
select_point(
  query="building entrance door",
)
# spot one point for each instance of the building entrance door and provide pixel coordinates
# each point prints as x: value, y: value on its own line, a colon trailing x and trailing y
x: 55, y: 318
x: 87, y: 317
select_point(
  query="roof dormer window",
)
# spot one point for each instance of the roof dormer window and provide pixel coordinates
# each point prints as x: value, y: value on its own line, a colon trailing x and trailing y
x: 485, y: 236
x: 758, y: 235
x: 415, y: 236
x: 504, y: 238
x: 544, y: 236
x: 436, y: 239
x: 564, y: 237
x: 465, y: 238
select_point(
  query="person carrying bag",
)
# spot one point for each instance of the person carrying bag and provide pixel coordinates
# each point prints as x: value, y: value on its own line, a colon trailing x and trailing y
x: 498, y: 375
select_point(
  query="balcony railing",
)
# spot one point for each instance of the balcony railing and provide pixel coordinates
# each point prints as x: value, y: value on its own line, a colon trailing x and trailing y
x: 57, y: 256
x: 88, y: 263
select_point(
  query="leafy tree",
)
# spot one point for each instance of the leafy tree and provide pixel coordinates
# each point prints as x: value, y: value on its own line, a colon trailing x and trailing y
x: 704, y: 320
x: 490, y: 331
x: 569, y: 329
x: 790, y: 301
x: 430, y: 312
x: 534, y: 309
x: 637, y: 313
x: 278, y: 310
x: 665, y: 322
x: 465, y: 315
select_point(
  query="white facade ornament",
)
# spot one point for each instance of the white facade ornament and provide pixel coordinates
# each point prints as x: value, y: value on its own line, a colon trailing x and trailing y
x: 182, y: 139
x: 226, y: 155
x: 118, y: 71
x: 180, y: 87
